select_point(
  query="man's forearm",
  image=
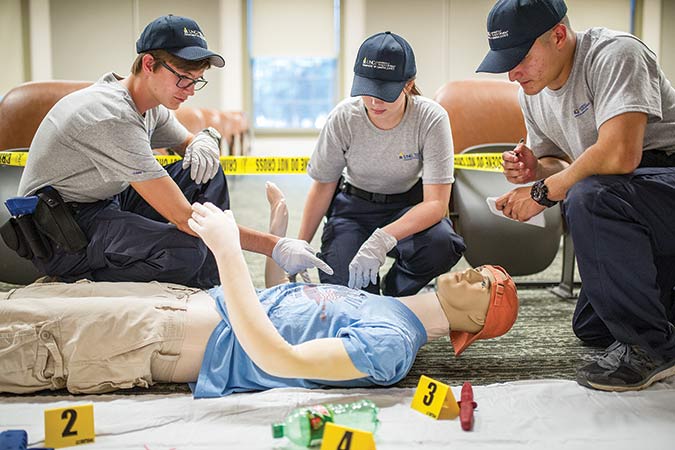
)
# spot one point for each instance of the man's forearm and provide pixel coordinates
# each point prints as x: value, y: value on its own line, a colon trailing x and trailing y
x: 549, y: 165
x: 257, y: 241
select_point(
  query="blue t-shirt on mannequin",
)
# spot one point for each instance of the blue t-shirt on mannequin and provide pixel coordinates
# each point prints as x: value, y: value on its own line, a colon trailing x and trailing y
x: 381, y: 335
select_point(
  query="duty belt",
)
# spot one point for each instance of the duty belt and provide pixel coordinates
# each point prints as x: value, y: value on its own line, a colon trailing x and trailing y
x: 412, y: 196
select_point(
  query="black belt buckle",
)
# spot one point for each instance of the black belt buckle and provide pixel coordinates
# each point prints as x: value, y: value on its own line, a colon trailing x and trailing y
x: 378, y: 198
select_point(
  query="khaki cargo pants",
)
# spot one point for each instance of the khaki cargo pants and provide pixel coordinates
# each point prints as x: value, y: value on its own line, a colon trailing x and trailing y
x: 90, y: 337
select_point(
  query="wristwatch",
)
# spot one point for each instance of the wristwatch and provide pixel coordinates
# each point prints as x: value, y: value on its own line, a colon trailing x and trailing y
x: 539, y: 194
x: 213, y: 133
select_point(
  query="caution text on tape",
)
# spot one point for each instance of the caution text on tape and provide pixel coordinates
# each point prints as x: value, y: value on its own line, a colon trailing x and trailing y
x: 265, y: 165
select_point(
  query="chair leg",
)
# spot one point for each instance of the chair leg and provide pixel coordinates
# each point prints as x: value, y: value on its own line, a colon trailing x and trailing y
x: 565, y: 289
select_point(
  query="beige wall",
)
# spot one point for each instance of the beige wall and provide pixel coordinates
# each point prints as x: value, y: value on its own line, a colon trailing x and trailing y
x: 11, y: 45
x: 668, y: 38
x: 84, y: 38
x: 91, y: 38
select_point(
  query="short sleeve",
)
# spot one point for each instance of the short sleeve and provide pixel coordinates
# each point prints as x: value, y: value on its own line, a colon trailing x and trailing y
x: 384, y: 354
x: 168, y: 132
x: 437, y: 151
x: 120, y: 151
x: 328, y: 159
x: 623, y: 77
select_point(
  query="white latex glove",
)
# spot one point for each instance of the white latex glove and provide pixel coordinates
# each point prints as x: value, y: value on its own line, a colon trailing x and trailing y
x: 295, y: 255
x: 203, y: 157
x: 366, y: 263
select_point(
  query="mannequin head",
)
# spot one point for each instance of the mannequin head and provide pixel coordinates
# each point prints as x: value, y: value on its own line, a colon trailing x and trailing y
x: 479, y: 303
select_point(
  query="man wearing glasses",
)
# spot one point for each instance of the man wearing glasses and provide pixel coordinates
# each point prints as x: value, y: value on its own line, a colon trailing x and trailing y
x: 93, y: 153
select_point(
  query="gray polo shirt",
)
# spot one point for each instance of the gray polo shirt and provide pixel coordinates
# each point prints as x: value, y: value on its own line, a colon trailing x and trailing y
x: 94, y: 142
x: 385, y: 161
x: 613, y: 73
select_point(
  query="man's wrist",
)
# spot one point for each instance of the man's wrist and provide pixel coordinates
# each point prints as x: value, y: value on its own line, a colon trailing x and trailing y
x: 214, y: 134
x: 539, y: 193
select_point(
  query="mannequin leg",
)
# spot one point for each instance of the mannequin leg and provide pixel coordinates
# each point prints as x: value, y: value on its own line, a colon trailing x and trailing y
x: 278, y: 226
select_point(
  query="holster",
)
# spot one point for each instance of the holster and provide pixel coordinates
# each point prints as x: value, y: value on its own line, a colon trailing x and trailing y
x: 54, y: 218
x: 15, y: 239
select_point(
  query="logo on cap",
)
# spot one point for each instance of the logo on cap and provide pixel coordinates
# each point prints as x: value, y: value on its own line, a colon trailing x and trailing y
x: 193, y: 33
x: 498, y: 34
x: 381, y: 65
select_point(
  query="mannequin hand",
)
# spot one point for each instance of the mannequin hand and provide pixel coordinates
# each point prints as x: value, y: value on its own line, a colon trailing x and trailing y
x: 295, y: 255
x: 304, y: 275
x: 203, y: 157
x: 366, y: 263
x: 217, y: 228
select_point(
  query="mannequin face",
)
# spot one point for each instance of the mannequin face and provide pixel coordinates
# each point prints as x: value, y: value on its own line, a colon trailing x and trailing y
x: 469, y: 286
x: 465, y: 297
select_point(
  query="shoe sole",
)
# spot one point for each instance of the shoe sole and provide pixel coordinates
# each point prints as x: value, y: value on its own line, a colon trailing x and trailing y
x: 669, y: 372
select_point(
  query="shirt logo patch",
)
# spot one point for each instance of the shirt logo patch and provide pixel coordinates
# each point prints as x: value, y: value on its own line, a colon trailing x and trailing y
x: 581, y: 109
x: 408, y: 156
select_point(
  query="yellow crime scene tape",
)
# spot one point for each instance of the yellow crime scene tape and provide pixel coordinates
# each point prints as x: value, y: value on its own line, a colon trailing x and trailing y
x: 265, y: 165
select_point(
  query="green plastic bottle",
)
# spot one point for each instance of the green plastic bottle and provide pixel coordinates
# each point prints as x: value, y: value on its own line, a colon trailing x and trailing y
x: 304, y: 426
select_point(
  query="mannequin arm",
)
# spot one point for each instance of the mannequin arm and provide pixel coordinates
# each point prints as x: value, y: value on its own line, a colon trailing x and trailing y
x: 324, y: 359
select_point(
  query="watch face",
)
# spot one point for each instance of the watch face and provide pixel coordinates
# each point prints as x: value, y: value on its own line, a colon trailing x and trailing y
x: 213, y: 132
x: 538, y: 191
x: 539, y: 194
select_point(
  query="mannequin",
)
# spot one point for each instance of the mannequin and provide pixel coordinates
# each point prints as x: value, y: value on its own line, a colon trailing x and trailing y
x: 295, y: 334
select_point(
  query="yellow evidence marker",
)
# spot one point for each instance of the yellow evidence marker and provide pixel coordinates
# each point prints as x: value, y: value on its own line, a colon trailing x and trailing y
x: 338, y: 437
x: 72, y: 425
x: 434, y: 399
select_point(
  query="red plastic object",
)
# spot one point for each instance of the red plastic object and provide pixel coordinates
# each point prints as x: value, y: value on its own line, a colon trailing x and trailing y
x: 466, y: 407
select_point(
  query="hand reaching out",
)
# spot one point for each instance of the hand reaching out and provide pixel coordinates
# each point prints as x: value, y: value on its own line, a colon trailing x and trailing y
x: 217, y: 228
x: 365, y: 265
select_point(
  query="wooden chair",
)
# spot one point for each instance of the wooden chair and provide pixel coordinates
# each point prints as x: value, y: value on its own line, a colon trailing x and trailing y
x: 23, y: 108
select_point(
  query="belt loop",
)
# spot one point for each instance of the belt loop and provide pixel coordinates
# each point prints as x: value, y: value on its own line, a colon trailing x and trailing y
x: 57, y: 379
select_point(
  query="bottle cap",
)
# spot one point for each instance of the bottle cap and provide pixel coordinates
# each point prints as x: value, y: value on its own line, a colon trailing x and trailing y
x: 277, y: 430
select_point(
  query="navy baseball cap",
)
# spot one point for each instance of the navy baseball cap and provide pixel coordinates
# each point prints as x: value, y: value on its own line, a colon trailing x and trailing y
x: 513, y: 26
x: 179, y: 36
x: 383, y: 66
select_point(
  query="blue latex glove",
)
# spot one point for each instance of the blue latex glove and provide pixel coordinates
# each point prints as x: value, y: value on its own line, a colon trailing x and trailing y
x: 366, y: 263
x: 295, y: 255
x: 202, y: 155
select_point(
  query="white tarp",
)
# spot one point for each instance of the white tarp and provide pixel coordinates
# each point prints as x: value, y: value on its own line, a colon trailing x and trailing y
x: 547, y: 415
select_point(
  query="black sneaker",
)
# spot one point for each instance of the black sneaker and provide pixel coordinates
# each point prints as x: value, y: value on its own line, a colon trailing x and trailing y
x: 624, y: 368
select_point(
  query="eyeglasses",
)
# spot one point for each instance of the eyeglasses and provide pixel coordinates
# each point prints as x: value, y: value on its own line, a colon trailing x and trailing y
x: 185, y: 82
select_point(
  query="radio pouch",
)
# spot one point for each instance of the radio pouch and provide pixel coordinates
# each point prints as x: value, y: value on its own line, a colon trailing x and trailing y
x: 54, y: 218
